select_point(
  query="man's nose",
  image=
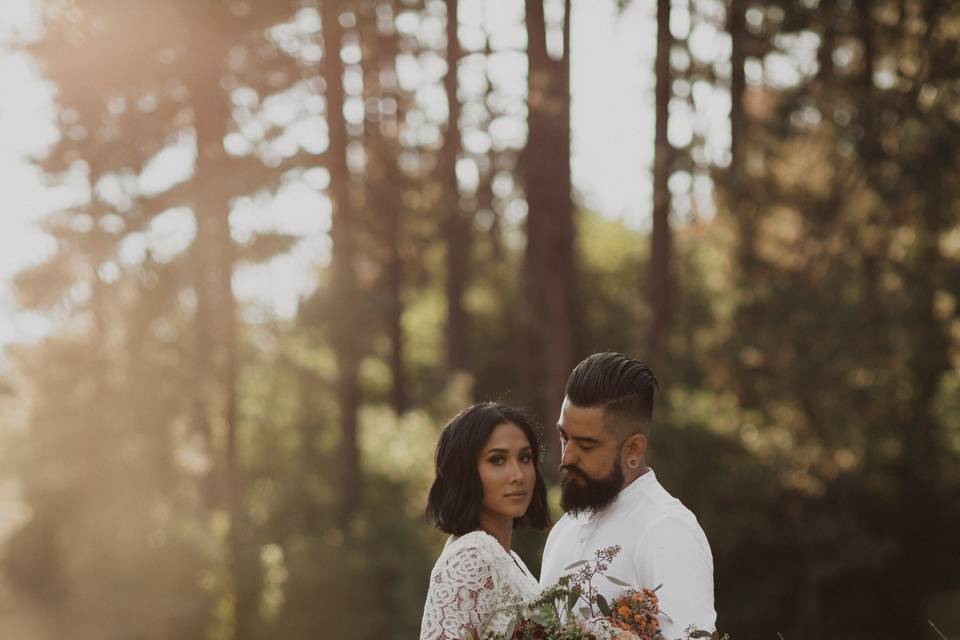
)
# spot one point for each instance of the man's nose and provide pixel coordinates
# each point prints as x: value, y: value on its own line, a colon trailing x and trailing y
x: 566, y: 454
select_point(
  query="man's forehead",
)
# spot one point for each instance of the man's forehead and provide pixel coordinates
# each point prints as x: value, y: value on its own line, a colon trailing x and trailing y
x: 584, y: 420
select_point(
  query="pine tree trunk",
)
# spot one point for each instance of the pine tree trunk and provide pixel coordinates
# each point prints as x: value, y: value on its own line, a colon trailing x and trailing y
x: 214, y: 240
x: 740, y: 204
x: 922, y: 495
x: 343, y: 294
x: 398, y: 393
x: 456, y: 224
x: 549, y: 316
x: 212, y: 113
x: 660, y: 277
x: 384, y: 185
x: 736, y: 27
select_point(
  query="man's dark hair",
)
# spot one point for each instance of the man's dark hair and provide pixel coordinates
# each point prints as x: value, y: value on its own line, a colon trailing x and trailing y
x: 456, y: 496
x: 623, y: 387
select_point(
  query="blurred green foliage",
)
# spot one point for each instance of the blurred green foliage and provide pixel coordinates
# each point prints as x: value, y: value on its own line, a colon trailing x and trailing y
x: 811, y: 417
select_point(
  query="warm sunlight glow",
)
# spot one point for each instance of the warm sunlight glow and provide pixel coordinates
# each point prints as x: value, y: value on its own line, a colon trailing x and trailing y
x: 612, y: 134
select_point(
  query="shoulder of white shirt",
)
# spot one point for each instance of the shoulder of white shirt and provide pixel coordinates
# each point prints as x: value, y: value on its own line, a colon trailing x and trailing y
x: 654, y: 494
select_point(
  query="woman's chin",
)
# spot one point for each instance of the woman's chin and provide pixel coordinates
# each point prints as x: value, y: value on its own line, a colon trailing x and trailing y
x: 512, y: 513
x: 519, y: 513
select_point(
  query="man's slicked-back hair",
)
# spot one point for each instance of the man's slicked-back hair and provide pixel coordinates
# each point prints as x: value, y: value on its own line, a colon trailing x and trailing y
x: 623, y: 387
x: 456, y: 496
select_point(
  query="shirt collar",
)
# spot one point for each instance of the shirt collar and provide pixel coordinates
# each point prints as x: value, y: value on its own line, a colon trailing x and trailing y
x: 628, y: 495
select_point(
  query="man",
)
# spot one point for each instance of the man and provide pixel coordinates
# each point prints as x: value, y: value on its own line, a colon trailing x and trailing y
x: 611, y: 497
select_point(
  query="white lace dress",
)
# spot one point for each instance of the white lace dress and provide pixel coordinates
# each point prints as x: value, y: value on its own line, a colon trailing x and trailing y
x: 473, y: 585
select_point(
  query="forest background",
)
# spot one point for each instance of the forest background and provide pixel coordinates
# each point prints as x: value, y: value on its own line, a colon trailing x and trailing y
x: 179, y: 459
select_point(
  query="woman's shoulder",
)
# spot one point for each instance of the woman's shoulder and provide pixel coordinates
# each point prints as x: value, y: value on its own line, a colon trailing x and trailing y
x: 473, y: 553
x: 472, y: 543
x: 477, y: 539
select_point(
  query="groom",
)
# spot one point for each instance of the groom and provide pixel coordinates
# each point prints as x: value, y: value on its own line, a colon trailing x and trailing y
x: 611, y: 497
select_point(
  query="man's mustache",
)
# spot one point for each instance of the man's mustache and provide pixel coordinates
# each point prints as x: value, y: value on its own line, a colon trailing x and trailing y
x: 566, y: 469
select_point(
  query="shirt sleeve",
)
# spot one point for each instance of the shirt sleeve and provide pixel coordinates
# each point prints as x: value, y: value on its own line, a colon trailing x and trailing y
x: 673, y: 557
x: 462, y: 595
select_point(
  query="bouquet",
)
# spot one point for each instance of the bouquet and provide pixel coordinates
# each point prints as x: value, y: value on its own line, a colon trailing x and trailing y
x: 632, y: 616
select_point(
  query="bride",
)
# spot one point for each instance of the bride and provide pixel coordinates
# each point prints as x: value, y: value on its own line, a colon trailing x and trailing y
x: 487, y: 482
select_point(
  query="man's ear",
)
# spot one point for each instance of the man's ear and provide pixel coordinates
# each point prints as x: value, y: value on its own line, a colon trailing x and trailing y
x: 635, y: 446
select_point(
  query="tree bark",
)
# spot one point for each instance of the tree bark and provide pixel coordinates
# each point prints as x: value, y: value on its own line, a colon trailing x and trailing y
x: 550, y: 318
x: 456, y: 223
x: 736, y: 27
x: 660, y: 277
x: 741, y: 206
x: 923, y: 478
x: 344, y: 297
x: 384, y: 185
x: 217, y: 309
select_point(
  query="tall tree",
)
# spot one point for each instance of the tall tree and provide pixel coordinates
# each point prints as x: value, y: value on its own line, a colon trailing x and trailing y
x: 846, y: 198
x: 457, y: 225
x: 734, y: 182
x: 138, y: 96
x: 385, y: 185
x: 736, y: 28
x: 660, y: 275
x: 549, y: 303
x: 344, y: 292
x: 215, y: 260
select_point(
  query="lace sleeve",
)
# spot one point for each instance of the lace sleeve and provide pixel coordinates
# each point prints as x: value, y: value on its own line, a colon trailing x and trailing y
x: 462, y: 595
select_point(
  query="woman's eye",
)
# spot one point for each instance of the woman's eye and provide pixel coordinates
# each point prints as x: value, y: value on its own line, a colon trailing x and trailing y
x: 497, y: 461
x: 526, y: 457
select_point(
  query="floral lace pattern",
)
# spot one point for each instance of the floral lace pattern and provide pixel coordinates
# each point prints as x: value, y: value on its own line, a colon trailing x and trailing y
x: 604, y: 630
x: 473, y: 585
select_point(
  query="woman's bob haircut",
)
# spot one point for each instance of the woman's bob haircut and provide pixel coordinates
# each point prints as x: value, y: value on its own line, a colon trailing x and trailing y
x: 456, y: 496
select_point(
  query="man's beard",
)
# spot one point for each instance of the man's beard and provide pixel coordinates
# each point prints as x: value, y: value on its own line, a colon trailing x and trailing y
x: 593, y: 495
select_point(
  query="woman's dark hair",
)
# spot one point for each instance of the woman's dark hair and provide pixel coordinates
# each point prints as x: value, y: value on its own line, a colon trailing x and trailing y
x: 456, y: 496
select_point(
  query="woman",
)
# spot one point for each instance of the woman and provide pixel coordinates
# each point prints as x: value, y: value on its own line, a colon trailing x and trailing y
x: 487, y: 482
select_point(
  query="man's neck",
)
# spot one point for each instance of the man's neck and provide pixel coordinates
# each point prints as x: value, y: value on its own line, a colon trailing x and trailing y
x: 630, y: 477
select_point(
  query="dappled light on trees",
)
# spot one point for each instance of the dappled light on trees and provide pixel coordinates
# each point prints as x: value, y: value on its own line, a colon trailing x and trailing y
x: 187, y: 460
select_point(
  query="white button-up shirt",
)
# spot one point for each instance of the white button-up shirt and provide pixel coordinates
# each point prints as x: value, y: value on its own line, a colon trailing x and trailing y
x: 663, y: 545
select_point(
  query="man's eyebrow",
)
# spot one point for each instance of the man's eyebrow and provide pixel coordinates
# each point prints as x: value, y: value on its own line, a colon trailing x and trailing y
x: 581, y: 439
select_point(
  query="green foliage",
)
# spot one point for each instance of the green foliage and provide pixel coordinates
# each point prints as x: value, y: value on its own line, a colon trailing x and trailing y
x: 810, y: 415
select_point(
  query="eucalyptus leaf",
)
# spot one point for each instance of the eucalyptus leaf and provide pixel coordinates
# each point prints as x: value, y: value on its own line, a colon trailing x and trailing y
x: 618, y: 582
x: 700, y: 633
x: 572, y: 598
x: 585, y: 612
x: 578, y: 563
x: 602, y: 604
